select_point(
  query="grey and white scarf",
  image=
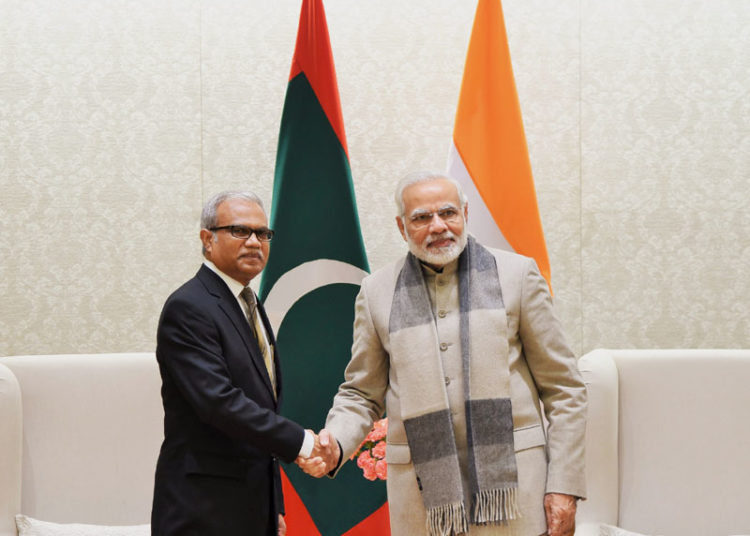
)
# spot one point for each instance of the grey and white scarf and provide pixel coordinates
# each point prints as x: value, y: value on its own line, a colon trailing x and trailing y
x: 493, y: 479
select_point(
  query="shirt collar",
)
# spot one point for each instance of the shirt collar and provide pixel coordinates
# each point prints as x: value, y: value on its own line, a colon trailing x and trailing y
x: 449, y: 269
x: 235, y: 287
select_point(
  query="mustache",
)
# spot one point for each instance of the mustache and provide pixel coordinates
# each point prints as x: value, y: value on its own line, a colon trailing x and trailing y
x: 253, y: 254
x: 445, y: 235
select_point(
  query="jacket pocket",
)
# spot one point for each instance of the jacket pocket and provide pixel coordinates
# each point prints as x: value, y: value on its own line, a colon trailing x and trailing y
x: 526, y: 438
x: 196, y: 463
x: 397, y: 453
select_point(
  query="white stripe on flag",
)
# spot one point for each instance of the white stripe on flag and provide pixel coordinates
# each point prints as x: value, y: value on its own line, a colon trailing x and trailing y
x: 481, y: 223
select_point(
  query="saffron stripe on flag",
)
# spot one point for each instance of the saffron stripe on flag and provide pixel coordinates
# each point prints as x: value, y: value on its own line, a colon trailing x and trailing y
x: 489, y: 153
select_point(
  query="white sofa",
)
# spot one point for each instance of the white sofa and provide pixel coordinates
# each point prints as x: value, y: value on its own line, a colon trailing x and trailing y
x: 668, y: 442
x: 79, y: 438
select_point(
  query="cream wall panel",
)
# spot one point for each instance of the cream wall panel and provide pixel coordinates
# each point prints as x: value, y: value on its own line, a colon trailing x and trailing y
x: 665, y: 148
x: 100, y: 169
x: 246, y: 57
x: 118, y: 118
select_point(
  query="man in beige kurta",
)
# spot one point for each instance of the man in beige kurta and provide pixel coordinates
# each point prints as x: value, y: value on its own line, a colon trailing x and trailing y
x: 542, y: 368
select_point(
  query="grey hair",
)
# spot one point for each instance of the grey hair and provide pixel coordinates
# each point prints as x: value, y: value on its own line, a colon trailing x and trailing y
x: 208, y: 215
x: 423, y: 176
x: 210, y: 208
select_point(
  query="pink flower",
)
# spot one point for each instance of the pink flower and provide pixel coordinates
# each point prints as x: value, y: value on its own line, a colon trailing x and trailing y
x: 378, y: 450
x: 364, y: 460
x: 381, y: 469
x: 369, y: 473
x: 367, y: 464
x: 371, y: 452
x: 379, y: 430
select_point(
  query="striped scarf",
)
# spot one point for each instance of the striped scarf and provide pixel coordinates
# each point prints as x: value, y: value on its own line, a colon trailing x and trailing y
x: 493, y: 480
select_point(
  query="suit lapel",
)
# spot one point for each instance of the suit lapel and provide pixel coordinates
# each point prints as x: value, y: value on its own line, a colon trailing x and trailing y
x: 228, y: 304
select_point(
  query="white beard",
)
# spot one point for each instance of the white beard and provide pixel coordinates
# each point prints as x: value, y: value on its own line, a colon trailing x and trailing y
x: 445, y: 254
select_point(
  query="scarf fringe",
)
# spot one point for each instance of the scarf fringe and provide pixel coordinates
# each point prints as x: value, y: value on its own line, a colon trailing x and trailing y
x: 447, y: 519
x: 496, y: 505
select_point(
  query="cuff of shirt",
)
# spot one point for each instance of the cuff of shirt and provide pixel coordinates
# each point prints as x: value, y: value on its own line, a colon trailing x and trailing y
x: 307, y: 445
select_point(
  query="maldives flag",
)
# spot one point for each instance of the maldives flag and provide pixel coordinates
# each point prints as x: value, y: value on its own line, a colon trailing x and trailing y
x: 308, y: 287
x: 488, y: 155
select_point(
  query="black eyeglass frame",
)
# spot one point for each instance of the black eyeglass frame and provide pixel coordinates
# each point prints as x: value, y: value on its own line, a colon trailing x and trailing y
x: 243, y: 232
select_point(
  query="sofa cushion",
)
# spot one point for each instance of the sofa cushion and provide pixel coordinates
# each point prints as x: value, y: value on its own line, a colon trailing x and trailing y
x: 28, y: 526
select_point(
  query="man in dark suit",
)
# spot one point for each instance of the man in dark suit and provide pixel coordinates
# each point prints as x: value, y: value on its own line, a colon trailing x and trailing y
x: 218, y: 471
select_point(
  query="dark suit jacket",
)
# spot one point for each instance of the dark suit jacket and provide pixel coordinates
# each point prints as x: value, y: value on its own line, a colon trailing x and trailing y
x: 217, y: 472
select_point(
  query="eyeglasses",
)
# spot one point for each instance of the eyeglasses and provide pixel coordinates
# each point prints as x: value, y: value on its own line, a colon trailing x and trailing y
x: 423, y: 219
x: 240, y: 231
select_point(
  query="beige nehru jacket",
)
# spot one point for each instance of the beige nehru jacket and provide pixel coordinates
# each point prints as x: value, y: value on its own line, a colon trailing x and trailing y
x: 543, y: 372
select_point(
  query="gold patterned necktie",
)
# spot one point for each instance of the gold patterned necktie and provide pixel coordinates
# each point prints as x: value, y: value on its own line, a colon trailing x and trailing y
x: 254, y: 319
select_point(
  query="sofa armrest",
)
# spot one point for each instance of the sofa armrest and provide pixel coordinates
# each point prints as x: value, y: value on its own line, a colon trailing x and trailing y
x: 600, y: 375
x: 11, y: 434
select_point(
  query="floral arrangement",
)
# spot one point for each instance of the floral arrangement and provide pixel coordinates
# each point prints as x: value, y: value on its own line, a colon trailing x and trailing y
x: 371, y: 453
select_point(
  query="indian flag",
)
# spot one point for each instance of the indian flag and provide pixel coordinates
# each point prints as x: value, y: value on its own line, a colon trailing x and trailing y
x: 314, y: 270
x: 488, y: 155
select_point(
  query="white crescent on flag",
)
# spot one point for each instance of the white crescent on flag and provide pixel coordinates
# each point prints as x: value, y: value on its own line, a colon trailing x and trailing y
x: 302, y: 280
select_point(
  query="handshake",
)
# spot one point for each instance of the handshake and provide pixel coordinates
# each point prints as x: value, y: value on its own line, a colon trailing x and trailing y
x: 325, y: 455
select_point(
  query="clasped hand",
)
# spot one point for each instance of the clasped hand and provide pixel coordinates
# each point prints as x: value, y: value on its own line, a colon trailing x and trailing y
x: 324, y: 457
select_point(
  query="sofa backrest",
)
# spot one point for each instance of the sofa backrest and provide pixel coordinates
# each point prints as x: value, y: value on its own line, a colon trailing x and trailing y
x: 92, y: 427
x: 670, y: 427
